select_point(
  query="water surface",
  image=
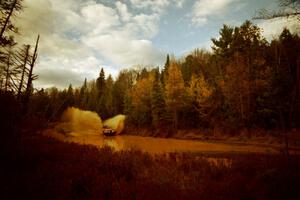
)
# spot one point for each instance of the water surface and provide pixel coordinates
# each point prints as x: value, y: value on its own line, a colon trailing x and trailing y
x: 158, y: 145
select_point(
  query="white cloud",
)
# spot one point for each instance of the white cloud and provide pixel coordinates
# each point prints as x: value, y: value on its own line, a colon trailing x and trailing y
x: 53, y: 24
x: 79, y: 37
x: 127, y: 43
x: 179, y: 3
x: 126, y: 52
x: 123, y: 11
x: 273, y: 28
x: 62, y: 71
x: 157, y: 6
x: 147, y: 25
x: 204, y: 9
x: 100, y: 17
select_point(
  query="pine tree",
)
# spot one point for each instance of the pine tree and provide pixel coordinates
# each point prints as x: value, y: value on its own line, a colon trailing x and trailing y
x: 100, y: 83
x: 83, y: 95
x: 106, y: 100
x: 157, y: 102
x: 70, y: 96
x: 165, y: 70
x: 93, y: 101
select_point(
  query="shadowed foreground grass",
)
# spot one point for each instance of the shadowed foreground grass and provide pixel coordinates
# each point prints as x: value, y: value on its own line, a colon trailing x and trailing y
x: 45, y: 168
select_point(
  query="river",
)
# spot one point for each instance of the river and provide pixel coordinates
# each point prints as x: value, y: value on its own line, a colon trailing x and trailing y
x: 159, y: 145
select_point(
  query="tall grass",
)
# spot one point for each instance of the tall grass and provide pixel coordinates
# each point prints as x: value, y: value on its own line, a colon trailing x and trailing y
x: 44, y: 168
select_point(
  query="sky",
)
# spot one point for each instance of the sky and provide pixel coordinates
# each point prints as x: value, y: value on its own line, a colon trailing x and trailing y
x: 79, y: 37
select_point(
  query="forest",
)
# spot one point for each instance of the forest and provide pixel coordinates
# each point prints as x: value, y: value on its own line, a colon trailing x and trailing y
x: 245, y: 83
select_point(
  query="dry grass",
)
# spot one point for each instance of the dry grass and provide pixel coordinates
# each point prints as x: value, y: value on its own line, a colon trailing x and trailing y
x: 44, y: 168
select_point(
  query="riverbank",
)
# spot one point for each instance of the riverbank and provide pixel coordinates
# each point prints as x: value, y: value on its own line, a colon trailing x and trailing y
x: 256, y: 137
x: 45, y: 168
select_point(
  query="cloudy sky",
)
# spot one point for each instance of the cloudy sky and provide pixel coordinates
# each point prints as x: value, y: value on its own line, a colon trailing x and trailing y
x: 78, y: 37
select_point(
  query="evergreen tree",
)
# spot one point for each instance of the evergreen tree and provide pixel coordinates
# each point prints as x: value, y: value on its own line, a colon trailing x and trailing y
x: 123, y: 83
x: 100, y: 83
x: 164, y: 73
x: 157, y: 102
x: 93, y: 99
x: 106, y: 100
x: 70, y: 96
x: 83, y: 95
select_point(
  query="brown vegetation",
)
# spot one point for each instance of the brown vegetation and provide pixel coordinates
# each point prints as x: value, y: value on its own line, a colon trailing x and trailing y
x: 43, y: 168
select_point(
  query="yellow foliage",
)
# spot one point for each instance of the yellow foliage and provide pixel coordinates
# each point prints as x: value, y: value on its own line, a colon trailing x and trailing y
x: 142, y: 90
x: 174, y: 85
x: 199, y: 90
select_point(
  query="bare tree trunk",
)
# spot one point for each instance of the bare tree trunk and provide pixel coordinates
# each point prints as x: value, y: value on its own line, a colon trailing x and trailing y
x: 23, y: 70
x: 30, y: 77
x: 7, y: 19
x: 7, y: 73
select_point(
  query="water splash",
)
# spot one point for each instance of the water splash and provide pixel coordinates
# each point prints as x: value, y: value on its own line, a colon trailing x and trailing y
x: 76, y: 121
x: 116, y: 123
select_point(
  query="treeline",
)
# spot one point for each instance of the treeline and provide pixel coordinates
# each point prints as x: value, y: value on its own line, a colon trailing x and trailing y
x: 17, y: 62
x: 246, y: 82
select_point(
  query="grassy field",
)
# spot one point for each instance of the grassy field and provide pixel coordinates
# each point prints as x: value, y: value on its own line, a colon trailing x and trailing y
x: 44, y: 168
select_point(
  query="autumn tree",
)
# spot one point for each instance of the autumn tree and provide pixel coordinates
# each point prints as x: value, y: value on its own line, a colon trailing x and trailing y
x: 200, y: 93
x: 283, y: 101
x: 195, y: 63
x: 175, y: 92
x: 140, y: 95
x: 241, y: 51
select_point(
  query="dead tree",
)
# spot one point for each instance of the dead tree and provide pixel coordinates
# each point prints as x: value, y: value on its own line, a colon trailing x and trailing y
x: 31, y: 77
x: 25, y: 55
x: 287, y: 8
x: 9, y: 72
x: 7, y: 11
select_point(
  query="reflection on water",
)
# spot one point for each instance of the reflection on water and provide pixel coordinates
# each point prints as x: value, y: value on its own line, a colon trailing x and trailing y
x: 156, y: 145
